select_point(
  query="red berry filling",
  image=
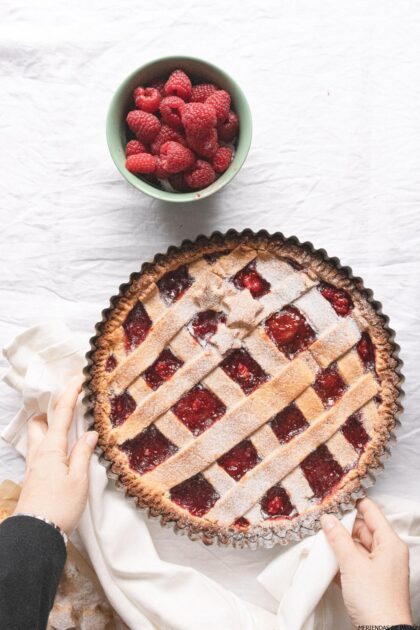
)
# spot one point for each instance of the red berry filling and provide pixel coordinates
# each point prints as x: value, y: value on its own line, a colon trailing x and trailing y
x: 288, y: 423
x: 244, y: 370
x: 321, y: 471
x: 241, y: 521
x: 338, y: 298
x: 276, y: 503
x: 211, y: 258
x: 174, y: 284
x: 239, y: 459
x: 249, y: 278
x: 162, y: 369
x: 329, y: 385
x: 148, y: 449
x: 196, y: 495
x: 122, y: 406
x: 204, y: 324
x: 354, y: 432
x: 290, y: 331
x: 366, y: 351
x: 136, y: 326
x: 198, y: 409
x: 111, y: 363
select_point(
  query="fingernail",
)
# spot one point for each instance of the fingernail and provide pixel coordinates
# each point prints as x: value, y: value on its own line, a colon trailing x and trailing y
x: 91, y: 439
x: 328, y: 521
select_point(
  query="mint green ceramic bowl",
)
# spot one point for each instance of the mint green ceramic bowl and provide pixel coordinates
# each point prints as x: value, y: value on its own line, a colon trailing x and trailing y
x: 198, y: 70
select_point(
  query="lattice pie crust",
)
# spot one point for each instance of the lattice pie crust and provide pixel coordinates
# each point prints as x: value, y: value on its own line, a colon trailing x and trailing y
x: 243, y: 383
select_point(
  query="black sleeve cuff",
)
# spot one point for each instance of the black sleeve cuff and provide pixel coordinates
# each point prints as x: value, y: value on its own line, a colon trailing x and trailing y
x: 32, y: 557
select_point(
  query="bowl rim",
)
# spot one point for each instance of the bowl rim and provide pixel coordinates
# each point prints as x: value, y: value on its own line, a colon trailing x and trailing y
x: 158, y: 193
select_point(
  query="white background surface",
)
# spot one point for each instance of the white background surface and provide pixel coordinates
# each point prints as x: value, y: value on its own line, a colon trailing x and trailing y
x: 335, y: 94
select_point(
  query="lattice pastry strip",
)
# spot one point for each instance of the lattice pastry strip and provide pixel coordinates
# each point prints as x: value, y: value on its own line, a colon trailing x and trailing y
x: 342, y: 451
x: 318, y: 312
x: 174, y: 430
x: 298, y: 489
x: 370, y: 417
x: 265, y: 352
x: 224, y: 387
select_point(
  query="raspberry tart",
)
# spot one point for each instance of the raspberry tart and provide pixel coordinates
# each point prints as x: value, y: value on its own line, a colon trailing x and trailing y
x: 242, y: 385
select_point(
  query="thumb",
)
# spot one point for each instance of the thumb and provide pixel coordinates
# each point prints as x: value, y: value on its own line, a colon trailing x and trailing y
x: 339, y: 538
x: 81, y: 454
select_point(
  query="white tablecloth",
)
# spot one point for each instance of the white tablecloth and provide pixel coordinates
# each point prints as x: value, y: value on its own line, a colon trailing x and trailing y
x: 335, y: 95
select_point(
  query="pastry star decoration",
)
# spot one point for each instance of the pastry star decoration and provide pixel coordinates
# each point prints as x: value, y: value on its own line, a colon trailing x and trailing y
x: 242, y: 311
x: 209, y: 296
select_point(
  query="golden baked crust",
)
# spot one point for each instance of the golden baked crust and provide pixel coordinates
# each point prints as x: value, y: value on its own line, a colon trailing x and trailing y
x: 378, y: 394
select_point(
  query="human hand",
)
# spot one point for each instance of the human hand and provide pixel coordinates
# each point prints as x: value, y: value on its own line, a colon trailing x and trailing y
x: 56, y: 485
x: 374, y: 568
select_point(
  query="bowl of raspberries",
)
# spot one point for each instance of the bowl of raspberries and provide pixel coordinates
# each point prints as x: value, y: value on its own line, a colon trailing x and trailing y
x: 179, y: 129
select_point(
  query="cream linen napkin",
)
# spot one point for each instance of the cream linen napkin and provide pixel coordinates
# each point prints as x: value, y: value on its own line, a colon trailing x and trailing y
x: 146, y: 591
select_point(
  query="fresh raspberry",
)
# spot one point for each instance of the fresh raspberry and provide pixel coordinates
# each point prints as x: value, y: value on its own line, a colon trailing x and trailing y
x: 141, y: 163
x: 205, y: 146
x: 159, y: 85
x: 170, y: 110
x: 178, y: 84
x: 228, y: 129
x: 201, y: 176
x: 176, y: 158
x: 165, y: 134
x: 198, y: 118
x: 147, y: 99
x: 221, y: 103
x: 133, y: 147
x: 222, y: 159
x: 160, y: 172
x: 146, y: 126
x: 178, y: 183
x: 200, y: 92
